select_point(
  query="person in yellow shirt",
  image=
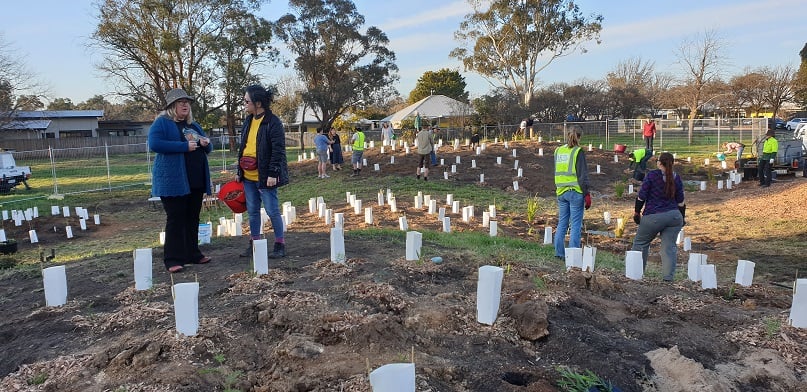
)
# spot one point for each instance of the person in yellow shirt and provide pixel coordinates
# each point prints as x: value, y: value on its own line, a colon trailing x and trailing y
x: 262, y: 166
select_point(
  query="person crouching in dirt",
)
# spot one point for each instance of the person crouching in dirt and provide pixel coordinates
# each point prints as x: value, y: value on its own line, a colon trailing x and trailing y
x: 662, y: 196
x: 734, y: 147
x: 638, y: 162
x: 475, y: 140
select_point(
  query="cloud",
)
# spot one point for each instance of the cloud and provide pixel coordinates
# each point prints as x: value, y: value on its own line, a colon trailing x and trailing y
x: 668, y: 26
x: 457, y: 9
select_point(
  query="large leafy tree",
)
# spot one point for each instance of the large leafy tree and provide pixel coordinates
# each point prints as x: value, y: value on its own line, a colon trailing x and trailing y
x: 341, y: 67
x: 551, y: 105
x: 443, y: 82
x: 61, y: 104
x: 29, y: 102
x: 511, y: 41
x: 97, y: 102
x: 585, y: 98
x: 499, y: 107
x: 203, y: 46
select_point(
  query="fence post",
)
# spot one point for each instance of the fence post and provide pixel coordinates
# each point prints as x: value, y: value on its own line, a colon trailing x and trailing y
x: 108, y: 170
x: 53, y: 171
x: 223, y: 156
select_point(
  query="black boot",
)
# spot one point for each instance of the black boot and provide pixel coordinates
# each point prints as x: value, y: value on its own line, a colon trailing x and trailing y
x: 279, y: 251
x: 248, y: 251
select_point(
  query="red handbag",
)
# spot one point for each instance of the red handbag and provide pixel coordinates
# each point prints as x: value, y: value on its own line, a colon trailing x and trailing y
x: 232, y: 194
x: 248, y: 163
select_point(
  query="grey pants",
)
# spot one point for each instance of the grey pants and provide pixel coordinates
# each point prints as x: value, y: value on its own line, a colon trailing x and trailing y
x: 668, y: 224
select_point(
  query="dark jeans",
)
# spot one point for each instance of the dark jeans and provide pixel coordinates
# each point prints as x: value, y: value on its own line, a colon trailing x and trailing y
x: 765, y: 172
x: 648, y: 143
x: 182, y: 228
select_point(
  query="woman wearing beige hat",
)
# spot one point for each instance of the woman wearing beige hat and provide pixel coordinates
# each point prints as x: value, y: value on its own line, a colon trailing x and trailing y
x: 180, y: 178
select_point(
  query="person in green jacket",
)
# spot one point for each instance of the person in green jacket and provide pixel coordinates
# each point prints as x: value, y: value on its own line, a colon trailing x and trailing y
x: 638, y: 162
x: 770, y: 147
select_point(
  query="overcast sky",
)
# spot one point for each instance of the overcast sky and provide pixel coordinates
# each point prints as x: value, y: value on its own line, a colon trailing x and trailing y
x: 52, y: 38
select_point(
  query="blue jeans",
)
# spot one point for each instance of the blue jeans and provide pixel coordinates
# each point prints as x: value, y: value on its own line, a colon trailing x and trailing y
x: 433, y: 156
x: 570, y: 209
x: 668, y: 224
x: 255, y: 196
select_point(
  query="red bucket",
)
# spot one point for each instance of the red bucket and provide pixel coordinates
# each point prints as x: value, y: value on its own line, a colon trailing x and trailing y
x: 619, y: 148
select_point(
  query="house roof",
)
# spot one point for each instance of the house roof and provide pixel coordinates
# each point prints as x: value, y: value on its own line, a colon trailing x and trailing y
x: 433, y: 106
x: 40, y: 114
x: 26, y: 124
x: 310, y: 115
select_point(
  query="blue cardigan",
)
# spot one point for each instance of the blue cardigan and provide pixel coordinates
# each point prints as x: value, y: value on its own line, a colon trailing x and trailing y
x: 169, y: 175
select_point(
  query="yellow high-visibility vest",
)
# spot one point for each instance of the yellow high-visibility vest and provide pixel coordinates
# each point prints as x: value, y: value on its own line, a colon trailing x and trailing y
x: 358, y: 145
x: 565, y: 169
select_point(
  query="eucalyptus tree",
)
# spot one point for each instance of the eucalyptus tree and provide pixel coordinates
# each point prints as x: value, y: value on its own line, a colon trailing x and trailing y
x: 511, y: 41
x: 341, y: 66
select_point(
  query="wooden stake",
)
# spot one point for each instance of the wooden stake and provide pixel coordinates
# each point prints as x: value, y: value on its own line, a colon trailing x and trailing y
x: 413, y: 355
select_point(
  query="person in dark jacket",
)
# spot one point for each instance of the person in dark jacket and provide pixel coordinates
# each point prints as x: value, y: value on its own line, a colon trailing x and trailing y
x: 336, y: 150
x: 662, y: 196
x: 180, y: 178
x: 262, y: 166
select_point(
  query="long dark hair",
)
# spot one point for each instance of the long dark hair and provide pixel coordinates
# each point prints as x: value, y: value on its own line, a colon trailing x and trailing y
x: 259, y: 94
x: 667, y: 162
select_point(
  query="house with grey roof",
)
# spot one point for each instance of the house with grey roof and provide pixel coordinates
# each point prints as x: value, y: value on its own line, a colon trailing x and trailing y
x: 51, y: 124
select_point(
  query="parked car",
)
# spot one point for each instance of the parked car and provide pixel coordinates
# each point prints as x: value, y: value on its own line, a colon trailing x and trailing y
x: 12, y: 175
x: 794, y: 122
x: 776, y: 123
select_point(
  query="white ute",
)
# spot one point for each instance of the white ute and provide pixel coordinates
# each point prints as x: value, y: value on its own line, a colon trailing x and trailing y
x: 12, y: 175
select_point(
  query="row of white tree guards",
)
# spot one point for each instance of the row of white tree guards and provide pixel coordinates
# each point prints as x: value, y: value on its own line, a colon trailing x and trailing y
x: 488, y: 288
x: 698, y: 270
x: 30, y: 214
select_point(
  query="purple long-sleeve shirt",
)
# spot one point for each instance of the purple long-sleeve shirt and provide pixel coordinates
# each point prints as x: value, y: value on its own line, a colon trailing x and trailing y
x: 652, y: 192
